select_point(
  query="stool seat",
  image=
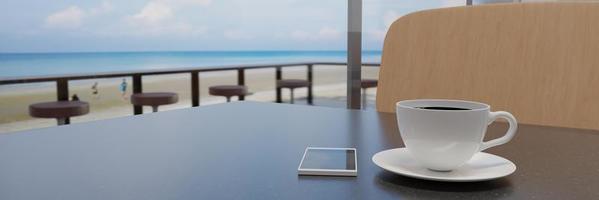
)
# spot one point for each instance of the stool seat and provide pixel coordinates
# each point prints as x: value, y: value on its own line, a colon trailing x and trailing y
x: 228, y: 90
x: 365, y: 84
x: 59, y: 109
x: 369, y: 83
x: 154, y: 98
x: 293, y: 83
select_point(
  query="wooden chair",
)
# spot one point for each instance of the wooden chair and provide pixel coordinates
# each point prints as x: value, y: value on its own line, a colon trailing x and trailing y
x: 539, y: 61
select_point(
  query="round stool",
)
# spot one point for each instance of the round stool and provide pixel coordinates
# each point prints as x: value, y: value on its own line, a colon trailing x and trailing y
x: 61, y: 110
x: 154, y: 99
x: 367, y: 83
x: 292, y: 84
x: 228, y: 91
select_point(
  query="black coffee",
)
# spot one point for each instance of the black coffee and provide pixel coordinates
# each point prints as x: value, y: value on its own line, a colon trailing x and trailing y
x: 442, y: 108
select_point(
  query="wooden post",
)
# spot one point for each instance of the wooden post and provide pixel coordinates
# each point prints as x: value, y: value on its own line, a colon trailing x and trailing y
x: 279, y: 76
x: 137, y: 88
x: 195, y: 89
x: 62, y: 94
x: 241, y: 81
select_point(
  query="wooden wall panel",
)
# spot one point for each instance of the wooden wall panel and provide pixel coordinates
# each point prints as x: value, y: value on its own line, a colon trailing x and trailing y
x: 539, y: 61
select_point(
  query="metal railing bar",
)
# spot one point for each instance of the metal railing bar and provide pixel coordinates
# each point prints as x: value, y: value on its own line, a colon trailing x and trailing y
x: 51, y: 78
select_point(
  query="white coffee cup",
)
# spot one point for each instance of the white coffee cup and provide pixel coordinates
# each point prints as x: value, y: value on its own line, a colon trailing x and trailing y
x: 443, y: 140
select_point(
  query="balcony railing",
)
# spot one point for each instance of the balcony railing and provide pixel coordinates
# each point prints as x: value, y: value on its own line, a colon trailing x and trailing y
x: 62, y: 81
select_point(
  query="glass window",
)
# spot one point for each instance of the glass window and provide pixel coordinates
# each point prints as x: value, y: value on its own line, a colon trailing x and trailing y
x: 492, y: 1
x: 380, y: 14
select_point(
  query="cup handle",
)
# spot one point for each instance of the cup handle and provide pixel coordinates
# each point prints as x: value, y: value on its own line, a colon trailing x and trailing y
x: 510, y: 132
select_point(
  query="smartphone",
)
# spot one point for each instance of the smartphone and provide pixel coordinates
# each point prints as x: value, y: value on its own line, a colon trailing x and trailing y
x: 329, y: 162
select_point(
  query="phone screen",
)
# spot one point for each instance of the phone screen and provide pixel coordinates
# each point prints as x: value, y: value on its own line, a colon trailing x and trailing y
x: 330, y: 159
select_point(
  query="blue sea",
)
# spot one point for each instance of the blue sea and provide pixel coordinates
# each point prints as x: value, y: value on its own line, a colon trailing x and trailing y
x: 35, y: 64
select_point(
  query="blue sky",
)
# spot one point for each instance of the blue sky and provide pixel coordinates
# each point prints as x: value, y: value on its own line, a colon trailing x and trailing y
x: 162, y: 25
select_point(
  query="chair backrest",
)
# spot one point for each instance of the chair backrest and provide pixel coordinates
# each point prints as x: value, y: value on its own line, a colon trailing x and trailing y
x: 539, y: 61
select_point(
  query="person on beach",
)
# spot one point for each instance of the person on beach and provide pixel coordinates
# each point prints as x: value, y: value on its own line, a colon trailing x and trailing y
x: 124, y: 89
x: 95, y: 93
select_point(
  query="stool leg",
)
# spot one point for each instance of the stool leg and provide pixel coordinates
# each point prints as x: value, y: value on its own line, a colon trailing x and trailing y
x: 292, y: 101
x: 61, y: 121
x: 228, y: 99
x: 364, y: 98
x: 154, y: 108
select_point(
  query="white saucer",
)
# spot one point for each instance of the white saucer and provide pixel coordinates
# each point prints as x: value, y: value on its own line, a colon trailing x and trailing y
x: 481, y: 167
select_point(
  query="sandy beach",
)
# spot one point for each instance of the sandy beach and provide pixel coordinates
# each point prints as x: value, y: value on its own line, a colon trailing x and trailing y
x: 329, y: 81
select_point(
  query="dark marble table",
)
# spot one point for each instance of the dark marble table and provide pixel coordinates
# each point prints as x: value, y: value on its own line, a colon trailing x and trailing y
x: 252, y: 151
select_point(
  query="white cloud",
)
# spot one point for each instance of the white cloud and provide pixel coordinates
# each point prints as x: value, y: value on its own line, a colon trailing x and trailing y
x: 158, y: 17
x: 325, y: 33
x: 154, y: 12
x: 159, y: 10
x: 73, y: 16
x: 103, y: 8
x: 70, y: 17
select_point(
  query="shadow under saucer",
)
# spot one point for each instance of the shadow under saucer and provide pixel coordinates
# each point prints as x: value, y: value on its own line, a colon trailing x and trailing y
x: 406, y: 187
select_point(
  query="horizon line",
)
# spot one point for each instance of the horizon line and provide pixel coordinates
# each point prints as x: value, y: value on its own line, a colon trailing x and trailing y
x: 178, y: 51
